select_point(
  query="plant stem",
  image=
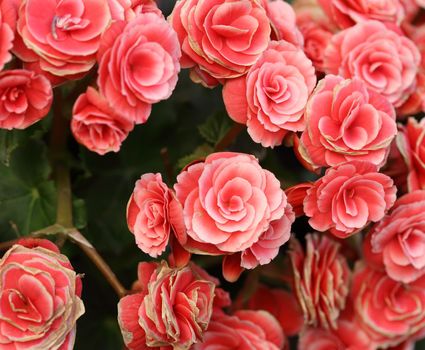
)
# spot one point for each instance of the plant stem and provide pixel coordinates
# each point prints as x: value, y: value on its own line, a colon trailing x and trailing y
x: 64, y: 216
x: 229, y: 138
x: 95, y: 257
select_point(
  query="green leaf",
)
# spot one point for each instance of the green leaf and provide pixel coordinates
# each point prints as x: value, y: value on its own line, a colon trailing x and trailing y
x: 199, y: 153
x: 215, y: 127
x: 27, y: 196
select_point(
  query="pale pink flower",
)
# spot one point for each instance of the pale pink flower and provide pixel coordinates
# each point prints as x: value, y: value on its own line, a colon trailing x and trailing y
x: 348, y: 197
x: 283, y: 22
x: 397, y: 242
x: 138, y: 64
x: 151, y: 212
x: 272, y: 97
x: 220, y: 39
x: 229, y: 203
x: 347, y: 121
x: 387, y: 310
x: 385, y: 60
x: 346, y: 13
x: 126, y: 10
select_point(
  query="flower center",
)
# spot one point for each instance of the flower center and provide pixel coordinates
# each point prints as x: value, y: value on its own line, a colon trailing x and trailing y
x: 11, y: 94
x: 67, y: 23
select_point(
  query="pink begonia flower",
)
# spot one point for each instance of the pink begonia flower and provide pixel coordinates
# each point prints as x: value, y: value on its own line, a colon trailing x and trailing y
x: 6, y: 39
x: 26, y: 97
x: 220, y: 39
x: 397, y: 242
x: 347, y: 336
x: 321, y: 280
x: 346, y: 13
x: 153, y: 213
x: 387, y: 310
x: 171, y: 311
x: 411, y: 145
x: 348, y: 197
x: 272, y: 97
x: 126, y: 10
x: 39, y: 297
x: 283, y: 22
x: 317, y: 33
x: 385, y: 60
x: 63, y: 34
x: 138, y: 64
x: 96, y: 125
x: 246, y: 329
x: 347, y: 121
x: 232, y: 205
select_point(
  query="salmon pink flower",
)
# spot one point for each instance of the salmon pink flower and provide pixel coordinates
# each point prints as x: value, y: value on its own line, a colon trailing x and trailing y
x: 39, y: 297
x: 347, y: 121
x: 138, y: 64
x: 64, y: 34
x: 26, y: 97
x: 348, y: 197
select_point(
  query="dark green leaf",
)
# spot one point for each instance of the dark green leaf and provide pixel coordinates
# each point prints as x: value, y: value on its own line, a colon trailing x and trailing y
x: 199, y: 153
x: 215, y: 127
x: 27, y: 196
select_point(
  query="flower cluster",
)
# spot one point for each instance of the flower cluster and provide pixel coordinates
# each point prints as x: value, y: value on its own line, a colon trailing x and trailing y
x: 340, y: 83
x: 225, y: 205
x: 126, y: 48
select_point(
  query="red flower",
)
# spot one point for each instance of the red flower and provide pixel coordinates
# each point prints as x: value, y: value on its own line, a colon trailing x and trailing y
x: 26, y: 97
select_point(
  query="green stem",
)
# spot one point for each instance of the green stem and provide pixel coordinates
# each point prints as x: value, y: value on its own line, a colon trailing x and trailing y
x: 58, y: 142
x: 64, y: 226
